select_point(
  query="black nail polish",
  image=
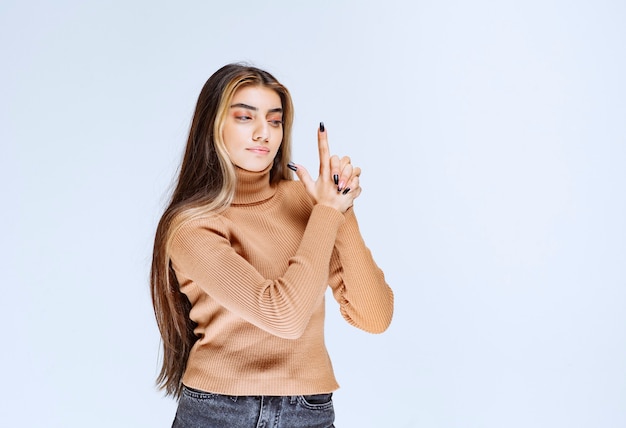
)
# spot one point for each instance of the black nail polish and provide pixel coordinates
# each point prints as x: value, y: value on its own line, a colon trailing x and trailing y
x: 292, y: 167
x: 322, y: 126
x: 346, y: 190
x: 336, y: 179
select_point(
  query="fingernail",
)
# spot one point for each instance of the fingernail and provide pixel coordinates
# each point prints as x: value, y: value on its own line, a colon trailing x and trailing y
x: 292, y: 166
x: 336, y: 179
x: 321, y: 126
x: 340, y: 186
x: 347, y: 189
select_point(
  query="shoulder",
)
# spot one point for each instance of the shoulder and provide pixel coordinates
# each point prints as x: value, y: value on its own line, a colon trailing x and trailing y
x: 190, y: 230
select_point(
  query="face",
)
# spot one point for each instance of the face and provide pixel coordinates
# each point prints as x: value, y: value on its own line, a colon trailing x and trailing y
x: 253, y: 129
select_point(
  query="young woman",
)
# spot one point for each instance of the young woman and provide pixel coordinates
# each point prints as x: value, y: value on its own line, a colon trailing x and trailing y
x: 242, y: 258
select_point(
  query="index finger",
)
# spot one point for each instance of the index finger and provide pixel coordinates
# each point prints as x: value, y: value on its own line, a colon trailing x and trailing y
x: 322, y: 142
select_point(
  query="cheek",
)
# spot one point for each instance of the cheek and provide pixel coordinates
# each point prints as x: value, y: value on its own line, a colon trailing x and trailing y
x: 279, y: 142
x: 230, y: 137
x: 278, y: 137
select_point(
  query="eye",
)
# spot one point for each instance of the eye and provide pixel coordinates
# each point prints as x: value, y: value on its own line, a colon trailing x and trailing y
x: 275, y: 123
x: 243, y: 118
x: 275, y: 120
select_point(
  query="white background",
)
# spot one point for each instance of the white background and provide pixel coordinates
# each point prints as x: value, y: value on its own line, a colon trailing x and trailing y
x: 492, y: 136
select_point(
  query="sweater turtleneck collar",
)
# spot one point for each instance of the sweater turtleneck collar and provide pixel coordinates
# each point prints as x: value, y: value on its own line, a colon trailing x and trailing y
x: 253, y: 187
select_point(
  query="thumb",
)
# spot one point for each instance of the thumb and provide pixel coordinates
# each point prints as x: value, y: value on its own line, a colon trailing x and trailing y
x: 303, y: 176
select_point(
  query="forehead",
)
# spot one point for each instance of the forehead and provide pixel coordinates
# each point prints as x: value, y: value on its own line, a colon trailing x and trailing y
x: 260, y: 97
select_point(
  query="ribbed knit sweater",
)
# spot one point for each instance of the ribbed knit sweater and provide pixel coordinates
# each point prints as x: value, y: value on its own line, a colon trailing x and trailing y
x: 256, y: 276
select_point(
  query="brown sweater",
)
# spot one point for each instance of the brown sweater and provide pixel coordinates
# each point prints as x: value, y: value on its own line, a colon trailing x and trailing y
x: 256, y: 277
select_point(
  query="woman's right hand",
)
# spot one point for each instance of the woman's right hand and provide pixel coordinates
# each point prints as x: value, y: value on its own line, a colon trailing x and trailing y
x: 337, y: 185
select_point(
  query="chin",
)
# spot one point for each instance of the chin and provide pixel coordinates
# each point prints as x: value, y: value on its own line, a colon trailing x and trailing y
x: 254, y: 168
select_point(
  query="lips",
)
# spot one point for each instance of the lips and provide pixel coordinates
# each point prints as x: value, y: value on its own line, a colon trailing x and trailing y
x: 259, y: 150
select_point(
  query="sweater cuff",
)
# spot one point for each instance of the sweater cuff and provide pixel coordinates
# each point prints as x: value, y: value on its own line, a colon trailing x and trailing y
x: 327, y: 215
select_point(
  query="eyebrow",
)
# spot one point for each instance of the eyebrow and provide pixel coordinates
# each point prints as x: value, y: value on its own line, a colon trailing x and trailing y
x: 246, y: 106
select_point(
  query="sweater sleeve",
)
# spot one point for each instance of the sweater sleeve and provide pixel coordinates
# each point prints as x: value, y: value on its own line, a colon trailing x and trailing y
x: 202, y: 253
x: 358, y: 284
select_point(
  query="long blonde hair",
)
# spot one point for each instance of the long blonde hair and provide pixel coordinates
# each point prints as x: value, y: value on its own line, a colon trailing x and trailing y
x: 205, y: 187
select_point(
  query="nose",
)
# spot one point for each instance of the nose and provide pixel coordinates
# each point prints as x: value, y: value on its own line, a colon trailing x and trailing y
x: 261, y: 132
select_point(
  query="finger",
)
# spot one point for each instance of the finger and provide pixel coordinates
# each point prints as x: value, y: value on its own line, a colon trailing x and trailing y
x: 345, y: 161
x: 322, y: 143
x: 335, y: 168
x: 345, y: 176
x: 304, y: 176
x: 353, y: 182
x: 353, y: 187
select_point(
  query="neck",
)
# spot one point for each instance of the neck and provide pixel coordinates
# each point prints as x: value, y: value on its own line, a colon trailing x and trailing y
x: 252, y: 187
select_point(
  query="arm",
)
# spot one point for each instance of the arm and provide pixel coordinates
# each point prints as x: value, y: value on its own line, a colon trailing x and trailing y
x: 358, y: 284
x: 202, y: 253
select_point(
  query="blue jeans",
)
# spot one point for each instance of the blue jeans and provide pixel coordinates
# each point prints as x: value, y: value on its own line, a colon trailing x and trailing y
x: 198, y: 409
